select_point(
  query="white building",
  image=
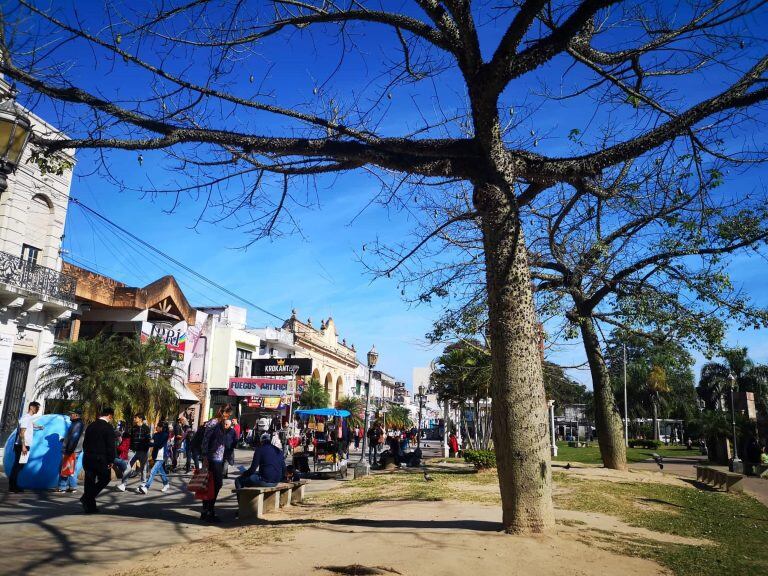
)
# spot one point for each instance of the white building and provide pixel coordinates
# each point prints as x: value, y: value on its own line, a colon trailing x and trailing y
x: 34, y: 295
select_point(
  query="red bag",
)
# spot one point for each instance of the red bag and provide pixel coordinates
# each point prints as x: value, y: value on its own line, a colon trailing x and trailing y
x: 68, y: 465
x: 204, y: 488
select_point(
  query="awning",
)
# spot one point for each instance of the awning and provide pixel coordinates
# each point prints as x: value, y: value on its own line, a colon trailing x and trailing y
x: 327, y: 412
x: 184, y: 393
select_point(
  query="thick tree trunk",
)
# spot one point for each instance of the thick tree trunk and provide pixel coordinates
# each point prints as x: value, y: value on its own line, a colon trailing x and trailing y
x: 519, y: 411
x: 610, y: 433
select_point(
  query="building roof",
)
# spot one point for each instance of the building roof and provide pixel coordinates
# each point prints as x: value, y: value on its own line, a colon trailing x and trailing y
x: 163, y: 296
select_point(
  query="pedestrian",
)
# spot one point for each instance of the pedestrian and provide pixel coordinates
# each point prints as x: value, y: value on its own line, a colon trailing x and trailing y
x: 373, y: 443
x: 189, y: 433
x: 230, y: 442
x: 267, y: 467
x: 178, y: 437
x: 140, y: 438
x: 121, y: 461
x: 162, y: 454
x: 196, y: 445
x: 71, y: 446
x: 453, y: 445
x: 98, y: 458
x: 236, y: 427
x: 25, y: 438
x: 213, y: 459
x: 357, y: 437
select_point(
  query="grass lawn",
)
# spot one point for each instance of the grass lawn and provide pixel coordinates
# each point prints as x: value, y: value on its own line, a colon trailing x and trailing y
x: 591, y: 454
x: 736, y: 524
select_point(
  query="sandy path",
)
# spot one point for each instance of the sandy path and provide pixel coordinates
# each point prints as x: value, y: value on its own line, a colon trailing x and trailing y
x: 412, y: 538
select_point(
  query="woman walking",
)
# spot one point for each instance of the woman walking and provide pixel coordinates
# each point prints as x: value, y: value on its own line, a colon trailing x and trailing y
x: 213, y: 459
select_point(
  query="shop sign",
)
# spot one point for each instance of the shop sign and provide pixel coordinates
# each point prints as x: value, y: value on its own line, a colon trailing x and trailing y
x: 173, y: 336
x: 282, y: 367
x: 259, y: 387
x: 269, y: 402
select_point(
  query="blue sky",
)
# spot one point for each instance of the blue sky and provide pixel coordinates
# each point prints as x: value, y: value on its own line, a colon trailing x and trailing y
x: 320, y: 274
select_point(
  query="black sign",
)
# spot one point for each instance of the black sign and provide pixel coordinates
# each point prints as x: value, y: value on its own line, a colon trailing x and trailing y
x: 282, y: 367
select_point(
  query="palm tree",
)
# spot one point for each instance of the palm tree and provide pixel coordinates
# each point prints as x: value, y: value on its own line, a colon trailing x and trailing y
x: 354, y: 405
x: 656, y: 385
x: 399, y: 417
x: 148, y: 373
x: 749, y: 377
x: 314, y: 395
x: 86, y: 372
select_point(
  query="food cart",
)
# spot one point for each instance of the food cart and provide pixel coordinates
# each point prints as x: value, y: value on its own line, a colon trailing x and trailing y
x: 328, y: 457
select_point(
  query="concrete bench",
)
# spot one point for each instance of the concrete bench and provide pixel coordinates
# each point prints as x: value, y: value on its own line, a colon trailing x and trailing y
x: 254, y: 502
x: 729, y: 481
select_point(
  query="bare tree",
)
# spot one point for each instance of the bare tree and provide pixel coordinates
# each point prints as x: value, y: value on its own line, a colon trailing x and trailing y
x: 186, y: 94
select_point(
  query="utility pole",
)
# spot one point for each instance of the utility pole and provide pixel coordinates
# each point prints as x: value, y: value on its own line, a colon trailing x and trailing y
x: 626, y: 415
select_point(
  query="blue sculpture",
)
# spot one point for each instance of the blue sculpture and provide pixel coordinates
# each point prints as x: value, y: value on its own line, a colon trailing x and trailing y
x: 42, y: 469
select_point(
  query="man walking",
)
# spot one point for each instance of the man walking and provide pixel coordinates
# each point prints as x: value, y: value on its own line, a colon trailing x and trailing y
x: 72, y: 445
x: 98, y: 456
x: 25, y: 437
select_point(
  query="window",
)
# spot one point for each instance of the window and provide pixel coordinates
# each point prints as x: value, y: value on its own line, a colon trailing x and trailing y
x: 29, y: 254
x: 243, y: 363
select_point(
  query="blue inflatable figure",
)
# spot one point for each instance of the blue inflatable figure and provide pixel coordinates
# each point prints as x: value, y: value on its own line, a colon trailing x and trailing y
x: 42, y: 469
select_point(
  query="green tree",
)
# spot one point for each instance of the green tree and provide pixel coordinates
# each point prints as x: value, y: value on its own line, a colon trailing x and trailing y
x: 562, y: 389
x: 632, y: 64
x: 86, y: 372
x: 398, y: 417
x: 121, y: 372
x: 314, y: 395
x: 147, y: 372
x: 463, y: 377
x: 356, y: 410
x: 749, y: 377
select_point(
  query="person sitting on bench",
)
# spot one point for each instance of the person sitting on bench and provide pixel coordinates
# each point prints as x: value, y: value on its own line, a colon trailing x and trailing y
x: 267, y: 467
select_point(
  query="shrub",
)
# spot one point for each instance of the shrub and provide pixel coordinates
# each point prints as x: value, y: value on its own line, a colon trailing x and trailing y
x: 651, y: 444
x: 481, y: 458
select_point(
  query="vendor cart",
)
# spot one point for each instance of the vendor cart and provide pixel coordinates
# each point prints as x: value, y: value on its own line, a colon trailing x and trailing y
x: 327, y: 459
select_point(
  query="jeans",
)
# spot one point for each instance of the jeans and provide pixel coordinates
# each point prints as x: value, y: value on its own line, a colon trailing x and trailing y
x: 373, y: 451
x: 357, y: 442
x: 97, y: 476
x: 158, y: 468
x: 121, y: 465
x: 195, y: 459
x: 68, y: 482
x: 15, y: 469
x: 253, y: 480
x: 139, y: 456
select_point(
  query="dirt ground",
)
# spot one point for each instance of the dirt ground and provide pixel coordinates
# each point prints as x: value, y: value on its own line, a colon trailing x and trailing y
x: 407, y: 538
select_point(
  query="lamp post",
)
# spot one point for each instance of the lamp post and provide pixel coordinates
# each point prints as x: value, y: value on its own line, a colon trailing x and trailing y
x: 14, y: 134
x: 551, y: 404
x: 735, y: 463
x: 421, y: 396
x: 362, y: 468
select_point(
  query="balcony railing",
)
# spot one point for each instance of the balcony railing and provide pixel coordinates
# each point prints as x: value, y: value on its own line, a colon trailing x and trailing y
x: 35, y: 278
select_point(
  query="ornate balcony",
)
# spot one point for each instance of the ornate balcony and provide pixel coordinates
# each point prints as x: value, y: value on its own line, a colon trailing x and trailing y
x: 36, y: 279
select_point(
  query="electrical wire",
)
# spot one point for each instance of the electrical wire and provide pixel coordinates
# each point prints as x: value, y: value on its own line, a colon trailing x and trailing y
x: 173, y: 260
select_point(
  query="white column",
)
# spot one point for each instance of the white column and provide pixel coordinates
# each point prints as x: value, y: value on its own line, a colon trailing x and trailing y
x: 551, y: 404
x: 445, y: 429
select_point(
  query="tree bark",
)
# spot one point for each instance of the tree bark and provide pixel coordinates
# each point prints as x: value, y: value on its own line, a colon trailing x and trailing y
x: 610, y: 433
x: 519, y: 412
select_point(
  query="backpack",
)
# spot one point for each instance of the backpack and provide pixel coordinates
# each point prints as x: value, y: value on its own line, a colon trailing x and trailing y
x: 197, y: 440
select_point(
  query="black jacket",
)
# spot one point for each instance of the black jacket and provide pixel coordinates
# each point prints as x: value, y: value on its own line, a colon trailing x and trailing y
x: 72, y: 437
x: 140, y: 437
x: 100, y: 441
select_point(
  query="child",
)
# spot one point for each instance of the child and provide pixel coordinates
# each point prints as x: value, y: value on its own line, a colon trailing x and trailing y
x: 162, y: 459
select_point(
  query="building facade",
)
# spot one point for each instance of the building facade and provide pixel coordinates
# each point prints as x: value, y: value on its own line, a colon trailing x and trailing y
x: 35, y: 296
x: 334, y: 363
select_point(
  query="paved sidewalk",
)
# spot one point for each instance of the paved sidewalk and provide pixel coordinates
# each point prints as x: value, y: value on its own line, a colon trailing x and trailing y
x: 684, y: 468
x: 43, y: 531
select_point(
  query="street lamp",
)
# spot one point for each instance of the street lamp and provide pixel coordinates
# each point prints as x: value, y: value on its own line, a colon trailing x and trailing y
x: 421, y: 396
x: 362, y: 468
x: 14, y: 134
x: 736, y: 463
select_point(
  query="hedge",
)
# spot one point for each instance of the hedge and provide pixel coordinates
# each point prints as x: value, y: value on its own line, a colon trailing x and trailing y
x: 481, y: 458
x: 652, y: 444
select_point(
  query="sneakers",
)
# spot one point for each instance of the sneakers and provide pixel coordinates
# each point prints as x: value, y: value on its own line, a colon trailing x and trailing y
x: 60, y: 491
x: 141, y: 489
x: 121, y: 486
x: 165, y: 487
x: 72, y: 490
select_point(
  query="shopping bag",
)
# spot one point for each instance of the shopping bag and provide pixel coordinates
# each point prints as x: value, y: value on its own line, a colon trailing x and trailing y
x: 207, y: 492
x: 68, y: 465
x: 198, y: 482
